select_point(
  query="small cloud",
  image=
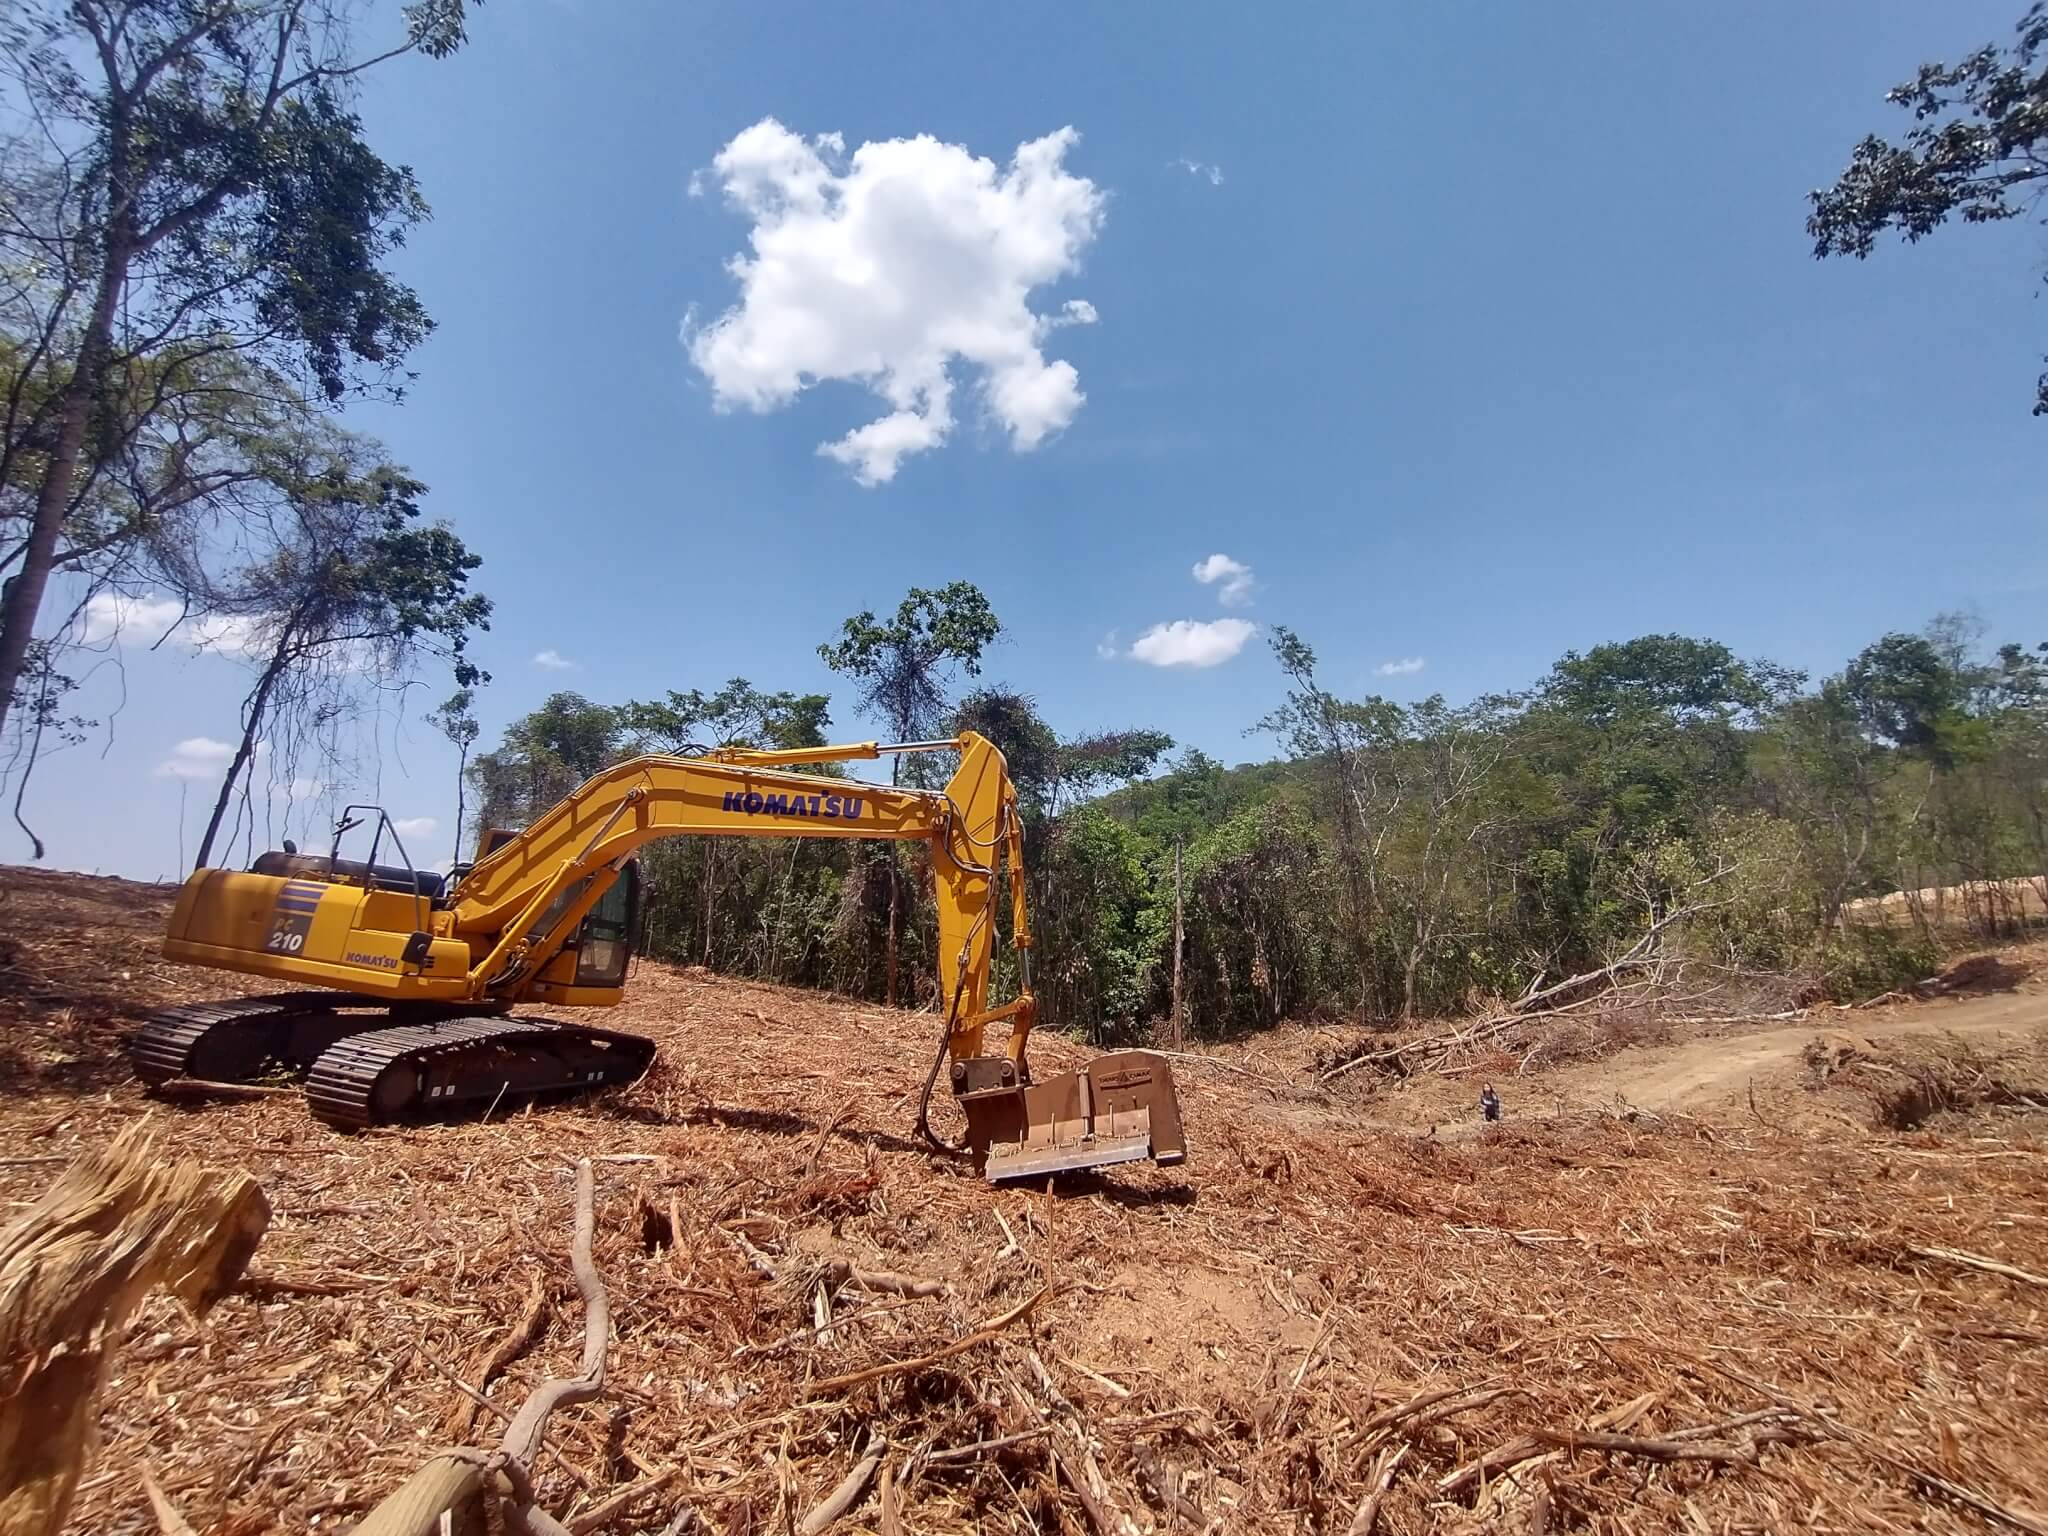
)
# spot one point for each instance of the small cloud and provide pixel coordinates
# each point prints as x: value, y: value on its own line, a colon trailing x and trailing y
x: 552, y: 660
x: 305, y: 789
x: 415, y: 826
x: 1106, y: 646
x: 1213, y: 174
x: 1408, y: 666
x: 1074, y: 312
x: 1236, y: 579
x: 1192, y: 643
x: 196, y: 757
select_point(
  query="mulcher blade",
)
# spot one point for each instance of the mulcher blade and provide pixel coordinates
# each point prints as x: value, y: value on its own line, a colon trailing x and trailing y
x: 1120, y: 1109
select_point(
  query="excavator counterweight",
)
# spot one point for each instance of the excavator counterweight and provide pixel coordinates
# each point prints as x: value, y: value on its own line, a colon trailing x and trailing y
x: 419, y: 975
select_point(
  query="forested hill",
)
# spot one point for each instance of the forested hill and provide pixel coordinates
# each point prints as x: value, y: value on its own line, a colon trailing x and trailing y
x: 1401, y: 858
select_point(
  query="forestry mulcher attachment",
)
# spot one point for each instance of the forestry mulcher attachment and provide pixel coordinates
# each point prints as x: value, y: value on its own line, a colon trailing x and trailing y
x: 417, y: 975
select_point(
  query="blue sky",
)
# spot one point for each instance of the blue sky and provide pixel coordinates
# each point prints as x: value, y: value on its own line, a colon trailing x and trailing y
x: 1475, y: 335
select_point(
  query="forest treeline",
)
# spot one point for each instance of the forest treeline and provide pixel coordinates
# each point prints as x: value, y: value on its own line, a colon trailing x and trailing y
x: 1398, y: 859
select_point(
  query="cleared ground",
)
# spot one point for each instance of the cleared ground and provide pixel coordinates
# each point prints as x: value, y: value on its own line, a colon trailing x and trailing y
x: 1705, y: 1284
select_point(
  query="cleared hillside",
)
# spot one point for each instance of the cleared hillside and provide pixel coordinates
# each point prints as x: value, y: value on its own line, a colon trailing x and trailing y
x: 1764, y: 1308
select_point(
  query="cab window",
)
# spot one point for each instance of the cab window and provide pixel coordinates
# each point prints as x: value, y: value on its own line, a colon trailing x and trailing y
x: 605, y: 943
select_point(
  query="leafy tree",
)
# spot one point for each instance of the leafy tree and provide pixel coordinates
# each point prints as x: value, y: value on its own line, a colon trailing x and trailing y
x: 543, y: 756
x: 1673, y: 677
x: 1976, y: 152
x: 198, y: 186
x: 1901, y: 689
x: 1029, y: 748
x: 737, y: 715
x: 354, y: 589
x: 1049, y: 772
x: 904, y: 666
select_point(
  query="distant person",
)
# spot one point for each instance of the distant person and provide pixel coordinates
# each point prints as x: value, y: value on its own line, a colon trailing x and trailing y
x: 1489, y: 1103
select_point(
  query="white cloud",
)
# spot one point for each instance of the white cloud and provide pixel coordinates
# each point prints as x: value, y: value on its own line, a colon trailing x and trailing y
x: 108, y: 614
x: 1236, y: 579
x: 1192, y: 643
x: 1106, y: 646
x: 885, y: 269
x: 147, y: 619
x: 1408, y: 666
x: 196, y: 757
x: 1213, y: 174
x: 305, y: 789
x: 415, y: 826
x: 552, y: 660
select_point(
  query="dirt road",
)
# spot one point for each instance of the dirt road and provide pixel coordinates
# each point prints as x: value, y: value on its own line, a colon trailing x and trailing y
x: 1701, y: 1072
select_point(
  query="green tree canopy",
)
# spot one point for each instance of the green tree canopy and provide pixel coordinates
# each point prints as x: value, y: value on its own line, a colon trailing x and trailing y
x: 1977, y: 152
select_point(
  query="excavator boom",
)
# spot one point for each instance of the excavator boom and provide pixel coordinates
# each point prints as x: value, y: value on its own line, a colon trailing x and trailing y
x: 545, y: 916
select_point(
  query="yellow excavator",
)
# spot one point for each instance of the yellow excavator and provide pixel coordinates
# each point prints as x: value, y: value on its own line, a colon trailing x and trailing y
x: 417, y: 974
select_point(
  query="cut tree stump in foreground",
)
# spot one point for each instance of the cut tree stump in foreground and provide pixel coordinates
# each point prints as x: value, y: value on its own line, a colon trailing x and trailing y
x: 116, y: 1224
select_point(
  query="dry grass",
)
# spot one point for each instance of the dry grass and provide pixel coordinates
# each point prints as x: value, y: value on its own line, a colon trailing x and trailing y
x: 1246, y: 1344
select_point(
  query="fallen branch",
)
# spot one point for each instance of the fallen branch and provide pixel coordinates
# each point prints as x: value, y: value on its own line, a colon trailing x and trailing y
x: 1427, y: 1408
x: 981, y: 1335
x: 840, y: 1272
x: 168, y: 1520
x: 510, y: 1348
x: 887, y: 1500
x: 459, y: 1479
x: 1650, y: 1450
x: 842, y: 1498
x: 1878, y: 1450
x: 1098, y: 1516
x: 1977, y: 1261
x: 1499, y: 1459
x: 1643, y: 955
x: 818, y: 1147
x: 203, y: 1088
x: 983, y: 1447
x: 254, y: 1284
x: 1367, y: 1517
x: 605, y: 1511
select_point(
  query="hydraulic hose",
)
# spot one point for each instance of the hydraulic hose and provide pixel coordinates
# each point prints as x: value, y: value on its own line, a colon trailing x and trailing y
x: 924, y: 1101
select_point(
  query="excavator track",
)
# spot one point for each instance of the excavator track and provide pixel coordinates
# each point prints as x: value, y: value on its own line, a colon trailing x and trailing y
x: 421, y: 1070
x: 237, y: 1039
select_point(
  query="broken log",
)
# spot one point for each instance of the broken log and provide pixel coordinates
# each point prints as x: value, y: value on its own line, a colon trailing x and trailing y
x: 463, y: 1479
x: 117, y: 1224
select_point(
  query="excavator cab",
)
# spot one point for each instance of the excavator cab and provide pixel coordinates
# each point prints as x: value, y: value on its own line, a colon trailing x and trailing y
x: 604, y: 942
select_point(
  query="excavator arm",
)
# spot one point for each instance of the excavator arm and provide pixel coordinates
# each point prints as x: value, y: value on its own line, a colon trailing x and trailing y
x: 509, y: 906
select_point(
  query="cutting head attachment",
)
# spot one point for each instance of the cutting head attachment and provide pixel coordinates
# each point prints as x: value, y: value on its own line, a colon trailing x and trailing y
x: 1120, y: 1108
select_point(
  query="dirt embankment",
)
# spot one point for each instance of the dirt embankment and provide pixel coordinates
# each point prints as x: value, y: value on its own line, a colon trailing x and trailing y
x: 1639, y: 1305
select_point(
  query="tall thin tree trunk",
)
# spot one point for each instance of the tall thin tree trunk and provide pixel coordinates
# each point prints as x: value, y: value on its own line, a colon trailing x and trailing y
x: 1176, y: 945
x: 710, y: 906
x: 895, y: 908
x: 22, y: 600
x: 252, y: 724
x: 461, y: 796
